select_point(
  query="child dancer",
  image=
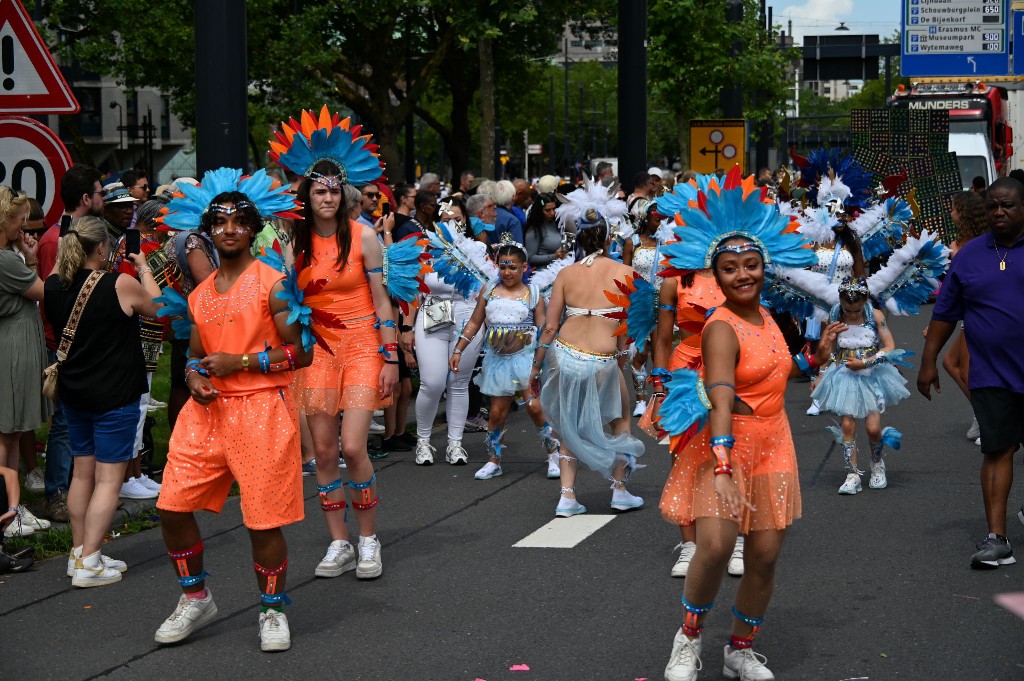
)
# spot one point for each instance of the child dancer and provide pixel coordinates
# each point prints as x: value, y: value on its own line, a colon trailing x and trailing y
x: 512, y: 310
x: 861, y: 382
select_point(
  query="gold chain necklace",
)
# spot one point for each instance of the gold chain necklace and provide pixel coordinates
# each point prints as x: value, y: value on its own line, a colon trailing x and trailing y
x: 1002, y: 258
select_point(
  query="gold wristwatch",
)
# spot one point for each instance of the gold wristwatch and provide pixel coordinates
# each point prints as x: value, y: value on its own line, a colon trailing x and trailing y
x: 245, y: 362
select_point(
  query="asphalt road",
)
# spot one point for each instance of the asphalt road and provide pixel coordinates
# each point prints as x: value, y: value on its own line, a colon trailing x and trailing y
x: 875, y: 586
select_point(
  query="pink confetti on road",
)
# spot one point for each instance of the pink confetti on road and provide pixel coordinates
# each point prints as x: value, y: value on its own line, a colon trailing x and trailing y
x: 519, y: 668
x: 1014, y: 602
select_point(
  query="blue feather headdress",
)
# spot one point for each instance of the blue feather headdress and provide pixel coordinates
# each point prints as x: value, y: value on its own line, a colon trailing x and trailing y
x: 832, y: 163
x: 735, y: 210
x: 271, y: 198
x: 300, y: 145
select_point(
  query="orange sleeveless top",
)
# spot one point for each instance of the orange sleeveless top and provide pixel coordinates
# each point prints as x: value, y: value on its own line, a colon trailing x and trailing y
x: 764, y: 363
x: 240, y: 322
x: 348, y: 289
x: 703, y: 293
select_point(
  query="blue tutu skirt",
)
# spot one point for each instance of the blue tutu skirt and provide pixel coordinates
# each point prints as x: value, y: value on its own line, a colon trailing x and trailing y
x: 581, y: 395
x: 505, y: 375
x: 859, y: 393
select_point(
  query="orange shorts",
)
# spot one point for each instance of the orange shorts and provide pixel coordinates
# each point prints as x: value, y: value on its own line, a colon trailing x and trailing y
x: 253, y: 439
x: 349, y: 378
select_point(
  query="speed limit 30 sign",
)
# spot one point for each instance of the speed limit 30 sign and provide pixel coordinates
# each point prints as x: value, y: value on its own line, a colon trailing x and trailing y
x: 33, y: 160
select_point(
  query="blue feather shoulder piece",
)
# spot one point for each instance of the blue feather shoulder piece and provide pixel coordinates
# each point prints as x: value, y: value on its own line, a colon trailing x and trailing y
x: 451, y: 264
x: 405, y: 264
x: 293, y: 295
x: 636, y: 296
x: 686, y: 407
x: 175, y: 308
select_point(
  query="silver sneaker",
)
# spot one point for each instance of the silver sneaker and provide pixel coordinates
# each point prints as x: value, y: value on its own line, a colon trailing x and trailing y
x: 684, y: 663
x: 274, y: 633
x: 190, y: 615
x: 424, y: 453
x: 455, y: 454
x: 746, y: 665
x: 370, y: 565
x: 736, y: 559
x: 686, y: 551
x: 340, y: 558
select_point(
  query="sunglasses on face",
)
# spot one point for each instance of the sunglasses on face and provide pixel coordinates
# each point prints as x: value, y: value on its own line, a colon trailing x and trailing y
x: 143, y: 187
x: 372, y: 195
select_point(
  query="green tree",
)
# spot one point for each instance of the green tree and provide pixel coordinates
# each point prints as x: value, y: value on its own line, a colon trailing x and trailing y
x: 689, y: 63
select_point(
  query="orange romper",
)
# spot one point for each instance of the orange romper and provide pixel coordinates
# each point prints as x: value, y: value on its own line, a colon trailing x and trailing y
x: 349, y: 378
x: 763, y: 459
x: 250, y: 433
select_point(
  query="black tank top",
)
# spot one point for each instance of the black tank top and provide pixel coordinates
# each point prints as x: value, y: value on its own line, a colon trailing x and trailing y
x: 105, y: 369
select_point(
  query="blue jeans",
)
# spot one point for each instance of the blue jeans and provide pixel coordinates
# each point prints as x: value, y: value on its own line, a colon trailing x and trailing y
x: 58, y: 448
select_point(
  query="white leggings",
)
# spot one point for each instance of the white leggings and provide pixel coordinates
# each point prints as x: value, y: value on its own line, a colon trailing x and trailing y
x: 433, y: 351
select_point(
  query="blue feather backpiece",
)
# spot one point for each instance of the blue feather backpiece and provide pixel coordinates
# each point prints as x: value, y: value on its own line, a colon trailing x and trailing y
x: 175, y: 308
x: 453, y: 266
x: 911, y: 274
x: 686, y: 407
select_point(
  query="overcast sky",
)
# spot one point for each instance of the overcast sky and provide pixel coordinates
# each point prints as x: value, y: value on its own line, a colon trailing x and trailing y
x: 820, y: 17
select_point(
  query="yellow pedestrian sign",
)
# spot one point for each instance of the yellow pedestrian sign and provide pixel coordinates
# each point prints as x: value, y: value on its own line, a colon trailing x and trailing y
x: 718, y: 144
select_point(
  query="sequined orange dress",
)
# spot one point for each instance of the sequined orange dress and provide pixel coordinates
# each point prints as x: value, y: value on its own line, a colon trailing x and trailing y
x: 703, y: 294
x: 763, y: 459
x: 349, y: 378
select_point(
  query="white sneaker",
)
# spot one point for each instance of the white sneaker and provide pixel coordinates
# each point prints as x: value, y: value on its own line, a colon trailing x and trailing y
x: 736, y: 559
x: 489, y: 470
x: 878, y: 479
x: 190, y: 615
x: 554, y: 470
x: 376, y: 428
x: 377, y: 413
x: 157, y: 403
x: 111, y: 563
x: 27, y: 518
x: 745, y: 665
x: 370, y: 565
x: 90, y: 571
x: 133, y: 489
x: 973, y: 433
x: 18, y: 529
x: 640, y: 408
x: 567, y: 508
x: 424, y: 452
x: 814, y: 409
x: 340, y: 558
x: 455, y: 454
x: 851, y: 485
x: 686, y: 551
x: 624, y: 501
x: 149, y: 483
x: 274, y: 633
x: 684, y: 663
x: 34, y: 481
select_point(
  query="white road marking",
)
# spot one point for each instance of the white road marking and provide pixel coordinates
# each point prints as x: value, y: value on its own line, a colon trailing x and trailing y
x: 564, y: 533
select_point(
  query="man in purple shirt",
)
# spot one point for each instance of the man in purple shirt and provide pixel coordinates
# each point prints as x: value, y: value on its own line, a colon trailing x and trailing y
x: 983, y: 288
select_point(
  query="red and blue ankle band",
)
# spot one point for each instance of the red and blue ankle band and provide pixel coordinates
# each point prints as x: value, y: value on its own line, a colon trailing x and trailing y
x: 326, y: 505
x: 180, y: 559
x: 691, y: 622
x: 367, y: 500
x: 271, y: 574
x: 276, y: 599
x: 742, y: 643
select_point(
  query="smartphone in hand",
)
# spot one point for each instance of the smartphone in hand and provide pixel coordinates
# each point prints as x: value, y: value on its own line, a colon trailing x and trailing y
x: 132, y: 242
x: 65, y: 224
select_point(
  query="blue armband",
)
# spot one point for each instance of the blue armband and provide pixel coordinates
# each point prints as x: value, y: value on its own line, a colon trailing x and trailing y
x: 670, y: 308
x: 801, y: 363
x: 387, y: 323
x: 723, y: 440
x: 661, y: 373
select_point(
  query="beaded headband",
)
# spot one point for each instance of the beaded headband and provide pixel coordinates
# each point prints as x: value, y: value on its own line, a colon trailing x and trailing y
x: 745, y: 247
x: 241, y: 205
x: 329, y: 181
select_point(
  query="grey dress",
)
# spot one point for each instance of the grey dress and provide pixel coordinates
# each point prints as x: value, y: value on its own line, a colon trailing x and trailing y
x: 22, y: 350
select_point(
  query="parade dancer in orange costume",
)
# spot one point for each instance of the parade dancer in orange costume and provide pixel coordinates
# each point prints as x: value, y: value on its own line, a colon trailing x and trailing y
x: 241, y: 423
x: 355, y: 362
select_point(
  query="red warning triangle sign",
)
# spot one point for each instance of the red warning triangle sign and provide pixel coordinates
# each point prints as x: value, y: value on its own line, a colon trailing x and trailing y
x: 30, y: 81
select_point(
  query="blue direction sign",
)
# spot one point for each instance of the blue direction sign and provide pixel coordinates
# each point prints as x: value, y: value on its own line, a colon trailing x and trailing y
x: 969, y: 38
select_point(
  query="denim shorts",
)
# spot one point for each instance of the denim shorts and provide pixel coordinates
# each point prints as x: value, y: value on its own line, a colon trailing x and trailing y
x: 109, y: 436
